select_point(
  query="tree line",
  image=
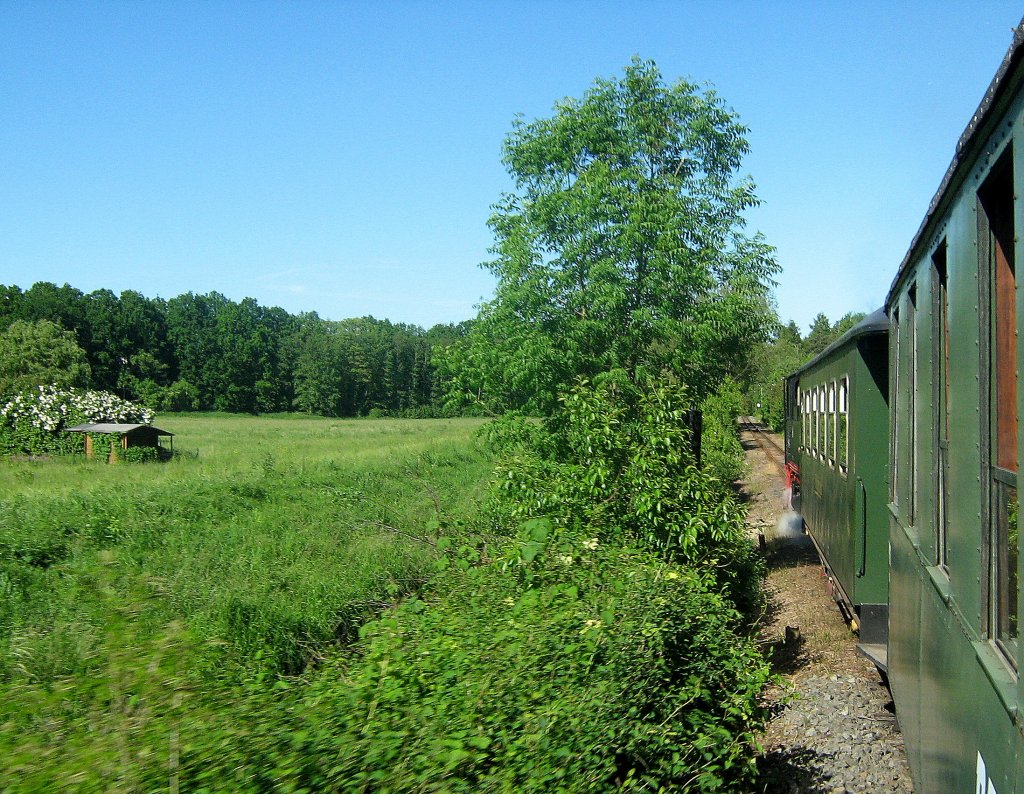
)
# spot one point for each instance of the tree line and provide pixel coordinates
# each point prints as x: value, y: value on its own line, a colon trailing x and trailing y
x: 207, y: 352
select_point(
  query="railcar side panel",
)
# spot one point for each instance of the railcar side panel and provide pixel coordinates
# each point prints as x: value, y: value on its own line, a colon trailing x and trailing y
x: 955, y: 316
x: 905, y: 642
x: 837, y: 426
x: 964, y: 464
x: 870, y: 442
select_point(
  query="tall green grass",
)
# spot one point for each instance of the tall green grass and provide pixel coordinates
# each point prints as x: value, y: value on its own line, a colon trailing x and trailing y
x: 205, y: 624
x: 270, y: 539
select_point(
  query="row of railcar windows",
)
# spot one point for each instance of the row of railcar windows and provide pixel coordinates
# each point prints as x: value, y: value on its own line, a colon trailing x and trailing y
x: 824, y: 426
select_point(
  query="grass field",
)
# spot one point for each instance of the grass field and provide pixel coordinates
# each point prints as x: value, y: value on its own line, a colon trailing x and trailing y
x: 282, y: 533
x: 205, y: 624
x: 268, y: 543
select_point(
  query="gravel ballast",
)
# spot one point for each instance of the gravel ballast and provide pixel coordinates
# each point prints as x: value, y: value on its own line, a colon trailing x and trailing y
x: 834, y: 728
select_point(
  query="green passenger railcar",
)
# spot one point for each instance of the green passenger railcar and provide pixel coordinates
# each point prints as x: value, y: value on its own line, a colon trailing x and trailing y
x: 837, y: 435
x: 955, y: 312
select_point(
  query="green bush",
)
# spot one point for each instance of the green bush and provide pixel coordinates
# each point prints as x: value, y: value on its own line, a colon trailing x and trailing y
x: 32, y: 422
x: 564, y: 664
x: 603, y: 647
x: 620, y: 462
x: 720, y: 446
x: 140, y: 454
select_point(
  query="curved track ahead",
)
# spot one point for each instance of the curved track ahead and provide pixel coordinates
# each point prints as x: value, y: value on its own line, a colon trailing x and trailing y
x: 771, y: 449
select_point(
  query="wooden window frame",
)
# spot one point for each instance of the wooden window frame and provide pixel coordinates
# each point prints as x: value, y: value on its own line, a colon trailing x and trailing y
x: 998, y: 336
x: 843, y: 410
x: 940, y: 404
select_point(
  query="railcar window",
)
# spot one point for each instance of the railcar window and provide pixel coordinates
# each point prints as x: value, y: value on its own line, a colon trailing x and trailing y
x: 804, y: 420
x: 996, y: 249
x: 826, y: 453
x: 807, y: 421
x: 842, y: 452
x: 894, y: 439
x: 814, y: 421
x: 940, y: 405
x: 803, y: 424
x: 819, y: 424
x: 830, y: 429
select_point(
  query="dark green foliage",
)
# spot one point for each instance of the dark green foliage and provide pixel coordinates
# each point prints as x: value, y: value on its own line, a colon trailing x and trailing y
x: 206, y: 352
x: 771, y: 361
x: 139, y: 455
x: 231, y: 352
x: 361, y: 366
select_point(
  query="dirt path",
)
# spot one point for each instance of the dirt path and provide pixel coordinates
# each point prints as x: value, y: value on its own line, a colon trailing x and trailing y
x: 839, y: 732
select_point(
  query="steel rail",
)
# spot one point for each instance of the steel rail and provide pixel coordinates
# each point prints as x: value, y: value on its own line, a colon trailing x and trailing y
x: 772, y: 450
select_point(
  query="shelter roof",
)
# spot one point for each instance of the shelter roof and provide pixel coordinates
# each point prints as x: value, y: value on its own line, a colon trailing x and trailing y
x: 113, y: 427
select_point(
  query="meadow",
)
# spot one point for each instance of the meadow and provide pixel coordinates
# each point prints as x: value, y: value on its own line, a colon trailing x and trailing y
x: 264, y: 544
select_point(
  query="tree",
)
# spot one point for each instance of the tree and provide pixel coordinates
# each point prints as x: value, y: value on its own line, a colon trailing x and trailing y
x: 823, y: 334
x: 12, y: 301
x: 319, y: 369
x: 621, y: 247
x: 846, y: 322
x: 192, y: 330
x: 790, y: 333
x: 40, y: 353
x: 819, y: 337
x: 772, y: 362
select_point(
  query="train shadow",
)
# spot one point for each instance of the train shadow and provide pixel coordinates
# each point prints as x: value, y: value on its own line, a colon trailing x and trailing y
x: 787, y: 547
x: 788, y: 654
x: 793, y: 770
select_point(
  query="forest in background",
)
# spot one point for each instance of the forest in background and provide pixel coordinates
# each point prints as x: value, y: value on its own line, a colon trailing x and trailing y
x: 206, y: 352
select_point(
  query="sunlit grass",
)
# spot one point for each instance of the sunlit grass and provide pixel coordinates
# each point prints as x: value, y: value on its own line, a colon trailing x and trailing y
x: 269, y: 537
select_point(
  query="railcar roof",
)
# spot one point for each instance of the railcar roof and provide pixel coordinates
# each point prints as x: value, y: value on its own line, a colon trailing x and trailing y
x: 966, y: 146
x: 875, y: 323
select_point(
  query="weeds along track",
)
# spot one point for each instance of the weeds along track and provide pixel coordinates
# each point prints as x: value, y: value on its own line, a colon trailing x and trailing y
x: 772, y: 450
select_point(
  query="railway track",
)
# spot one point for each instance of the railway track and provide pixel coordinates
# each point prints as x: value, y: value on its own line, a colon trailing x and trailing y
x: 771, y: 449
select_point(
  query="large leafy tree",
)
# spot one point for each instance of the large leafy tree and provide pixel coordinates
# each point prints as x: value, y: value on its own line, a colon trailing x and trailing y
x: 621, y: 247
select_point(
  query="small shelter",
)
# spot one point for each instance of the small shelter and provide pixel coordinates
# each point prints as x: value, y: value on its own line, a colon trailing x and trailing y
x: 131, y: 435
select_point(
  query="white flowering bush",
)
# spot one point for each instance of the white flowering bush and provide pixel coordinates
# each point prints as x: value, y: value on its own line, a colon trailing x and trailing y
x: 32, y: 422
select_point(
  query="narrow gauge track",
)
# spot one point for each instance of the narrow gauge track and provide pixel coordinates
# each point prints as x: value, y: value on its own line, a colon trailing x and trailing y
x: 767, y: 444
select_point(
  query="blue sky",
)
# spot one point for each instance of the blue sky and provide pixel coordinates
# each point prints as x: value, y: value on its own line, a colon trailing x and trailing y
x: 342, y: 157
